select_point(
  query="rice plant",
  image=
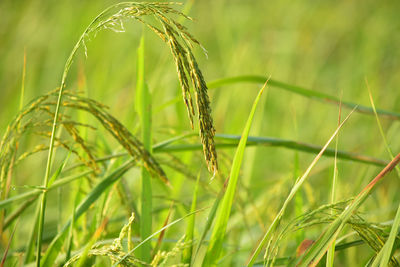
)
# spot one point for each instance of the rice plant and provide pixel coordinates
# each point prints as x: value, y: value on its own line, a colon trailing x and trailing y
x: 118, y: 166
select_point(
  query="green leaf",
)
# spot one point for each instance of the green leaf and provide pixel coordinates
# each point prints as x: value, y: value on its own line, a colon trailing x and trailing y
x: 187, y: 252
x: 223, y: 213
x: 56, y: 245
x: 143, y: 107
x: 59, y: 170
x: 210, y: 220
x: 385, y: 254
x: 301, y: 91
x: 156, y: 233
x: 292, y: 193
x: 231, y: 141
x: 318, y: 249
x: 38, y: 190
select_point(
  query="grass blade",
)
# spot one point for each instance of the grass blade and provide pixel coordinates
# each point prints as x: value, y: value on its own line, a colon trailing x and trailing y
x: 184, y: 58
x: 318, y: 249
x: 16, y: 214
x: 210, y: 219
x: 48, y: 182
x: 298, y: 200
x: 5, y: 203
x: 162, y: 234
x: 293, y: 191
x: 55, y: 246
x: 384, y: 255
x: 218, y: 234
x: 71, y: 229
x: 82, y: 260
x: 3, y: 261
x: 331, y: 252
x: 271, y: 141
x: 301, y: 91
x: 143, y: 106
x: 59, y: 170
x: 30, y: 249
x: 187, y: 253
x: 156, y: 233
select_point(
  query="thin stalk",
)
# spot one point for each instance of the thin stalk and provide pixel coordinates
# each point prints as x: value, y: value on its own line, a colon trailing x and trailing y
x: 292, y: 193
x: 55, y: 246
x: 385, y: 254
x: 30, y: 249
x: 143, y: 105
x: 53, y: 132
x: 156, y: 233
x: 319, y: 248
x: 303, y: 92
x: 222, y: 217
x: 71, y: 229
x: 38, y: 191
x: 331, y: 252
x: 233, y: 141
x: 298, y: 201
x: 188, y: 251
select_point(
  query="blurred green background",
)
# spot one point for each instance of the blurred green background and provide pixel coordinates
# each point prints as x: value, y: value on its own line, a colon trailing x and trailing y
x: 327, y: 46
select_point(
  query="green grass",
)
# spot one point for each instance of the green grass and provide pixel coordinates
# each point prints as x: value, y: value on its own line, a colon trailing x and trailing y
x: 222, y: 216
x: 145, y: 153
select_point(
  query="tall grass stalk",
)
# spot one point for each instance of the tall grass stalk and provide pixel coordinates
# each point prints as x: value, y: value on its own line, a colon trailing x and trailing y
x: 385, y: 254
x: 210, y: 219
x: 156, y: 233
x: 303, y: 92
x: 298, y: 201
x: 97, y: 172
x: 3, y: 260
x: 71, y: 229
x: 189, y: 238
x: 185, y: 63
x: 231, y: 141
x: 331, y: 252
x: 51, y: 146
x: 319, y: 248
x: 292, y: 193
x: 55, y: 246
x: 83, y: 260
x: 143, y: 105
x: 217, y: 237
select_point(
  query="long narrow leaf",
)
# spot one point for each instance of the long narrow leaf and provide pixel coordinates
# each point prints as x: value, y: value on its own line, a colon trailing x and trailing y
x: 3, y: 261
x: 156, y: 233
x: 58, y: 241
x: 386, y: 252
x: 210, y: 220
x: 60, y: 182
x: 143, y: 106
x: 271, y: 141
x: 293, y: 191
x: 47, y: 182
x: 384, y: 255
x: 187, y: 252
x: 83, y: 259
x: 331, y: 252
x: 318, y: 249
x: 301, y: 91
x: 223, y: 213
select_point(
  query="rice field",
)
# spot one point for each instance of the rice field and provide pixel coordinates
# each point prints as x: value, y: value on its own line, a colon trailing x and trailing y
x: 199, y: 133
